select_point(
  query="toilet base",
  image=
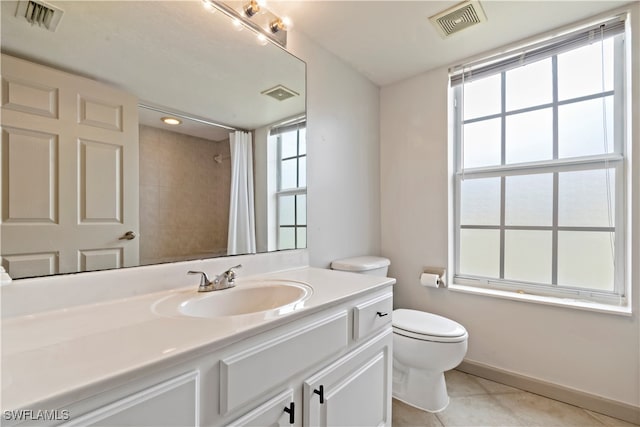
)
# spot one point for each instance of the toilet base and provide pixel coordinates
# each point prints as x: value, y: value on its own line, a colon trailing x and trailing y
x: 420, y: 389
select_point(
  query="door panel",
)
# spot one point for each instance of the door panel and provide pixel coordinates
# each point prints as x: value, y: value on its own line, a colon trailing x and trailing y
x: 99, y: 259
x: 99, y: 114
x: 100, y: 182
x: 29, y: 176
x: 29, y: 97
x: 40, y: 264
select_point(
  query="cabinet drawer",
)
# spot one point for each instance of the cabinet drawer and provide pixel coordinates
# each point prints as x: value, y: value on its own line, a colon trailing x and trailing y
x: 247, y: 375
x: 169, y: 403
x: 270, y: 413
x: 372, y: 315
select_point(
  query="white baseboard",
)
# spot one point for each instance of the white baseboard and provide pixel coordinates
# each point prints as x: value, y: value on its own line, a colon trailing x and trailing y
x: 584, y: 400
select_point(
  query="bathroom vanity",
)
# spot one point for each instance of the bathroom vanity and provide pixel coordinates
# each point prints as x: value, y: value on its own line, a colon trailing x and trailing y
x: 316, y: 354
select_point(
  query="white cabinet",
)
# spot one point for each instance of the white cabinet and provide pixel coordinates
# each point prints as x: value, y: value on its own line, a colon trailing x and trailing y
x: 275, y: 378
x: 353, y: 391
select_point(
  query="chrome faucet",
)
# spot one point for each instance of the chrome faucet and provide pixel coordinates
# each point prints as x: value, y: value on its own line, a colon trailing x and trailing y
x: 222, y: 281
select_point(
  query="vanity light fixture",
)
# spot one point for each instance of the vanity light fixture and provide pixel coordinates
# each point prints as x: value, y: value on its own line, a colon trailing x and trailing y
x: 280, y: 24
x: 255, y: 16
x: 251, y: 8
x: 171, y: 121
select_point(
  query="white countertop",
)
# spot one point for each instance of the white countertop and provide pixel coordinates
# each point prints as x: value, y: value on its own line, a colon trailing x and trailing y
x: 56, y: 353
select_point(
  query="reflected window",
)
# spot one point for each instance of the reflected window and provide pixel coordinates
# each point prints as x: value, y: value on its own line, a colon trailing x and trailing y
x: 539, y: 179
x: 291, y: 192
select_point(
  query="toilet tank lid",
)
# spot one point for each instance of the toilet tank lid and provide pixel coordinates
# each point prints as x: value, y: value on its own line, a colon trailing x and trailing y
x: 423, y: 323
x: 360, y: 263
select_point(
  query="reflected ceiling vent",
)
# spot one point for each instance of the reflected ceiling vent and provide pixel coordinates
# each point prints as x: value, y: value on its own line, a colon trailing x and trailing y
x: 459, y: 17
x: 40, y: 13
x: 280, y: 93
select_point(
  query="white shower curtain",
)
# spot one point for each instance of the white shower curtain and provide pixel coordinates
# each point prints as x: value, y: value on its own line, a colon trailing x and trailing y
x: 242, y: 228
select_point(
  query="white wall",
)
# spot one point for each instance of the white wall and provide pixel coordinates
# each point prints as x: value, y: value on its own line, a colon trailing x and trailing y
x: 343, y: 143
x: 591, y: 352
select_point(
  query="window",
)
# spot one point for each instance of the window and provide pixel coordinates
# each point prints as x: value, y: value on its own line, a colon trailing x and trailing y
x: 292, y: 186
x: 539, y: 179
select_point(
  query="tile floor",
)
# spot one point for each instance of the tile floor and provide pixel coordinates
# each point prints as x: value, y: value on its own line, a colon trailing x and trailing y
x: 479, y: 402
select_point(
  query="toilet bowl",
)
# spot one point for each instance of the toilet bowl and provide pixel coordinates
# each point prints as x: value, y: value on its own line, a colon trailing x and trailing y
x: 425, y: 345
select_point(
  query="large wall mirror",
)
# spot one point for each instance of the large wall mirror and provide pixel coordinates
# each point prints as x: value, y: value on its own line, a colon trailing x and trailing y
x: 93, y: 178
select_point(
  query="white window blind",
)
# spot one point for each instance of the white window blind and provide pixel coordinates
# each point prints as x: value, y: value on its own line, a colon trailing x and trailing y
x: 537, y: 52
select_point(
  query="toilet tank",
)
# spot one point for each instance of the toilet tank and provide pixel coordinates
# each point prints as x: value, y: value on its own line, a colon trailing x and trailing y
x: 373, y: 265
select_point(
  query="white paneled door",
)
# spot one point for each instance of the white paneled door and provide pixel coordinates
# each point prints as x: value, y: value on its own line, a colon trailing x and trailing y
x: 69, y: 172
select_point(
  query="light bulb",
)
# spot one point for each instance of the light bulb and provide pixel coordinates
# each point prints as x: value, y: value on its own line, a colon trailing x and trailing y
x: 280, y: 24
x: 251, y: 8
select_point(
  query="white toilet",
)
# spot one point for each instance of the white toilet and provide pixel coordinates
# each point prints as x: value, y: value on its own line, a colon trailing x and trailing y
x: 425, y: 345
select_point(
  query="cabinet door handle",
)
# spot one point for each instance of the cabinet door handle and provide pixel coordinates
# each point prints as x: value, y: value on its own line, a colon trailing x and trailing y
x: 290, y: 410
x: 381, y: 314
x: 320, y: 392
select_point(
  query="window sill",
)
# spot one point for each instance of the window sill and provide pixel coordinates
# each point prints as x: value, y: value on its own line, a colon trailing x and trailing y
x: 545, y: 300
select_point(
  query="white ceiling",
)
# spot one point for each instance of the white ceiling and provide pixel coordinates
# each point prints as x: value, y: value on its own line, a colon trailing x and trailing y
x: 389, y: 41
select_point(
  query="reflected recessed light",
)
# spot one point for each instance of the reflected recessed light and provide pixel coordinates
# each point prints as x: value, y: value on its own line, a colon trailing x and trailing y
x: 208, y: 6
x: 262, y: 39
x: 171, y: 121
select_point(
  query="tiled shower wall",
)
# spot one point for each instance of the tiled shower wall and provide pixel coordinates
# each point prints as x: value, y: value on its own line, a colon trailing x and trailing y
x: 184, y: 196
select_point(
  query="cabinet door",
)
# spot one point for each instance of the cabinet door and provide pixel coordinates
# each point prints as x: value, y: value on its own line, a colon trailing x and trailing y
x: 355, y: 390
x: 272, y: 413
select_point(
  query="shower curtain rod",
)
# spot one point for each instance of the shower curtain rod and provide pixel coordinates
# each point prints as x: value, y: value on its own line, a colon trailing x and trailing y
x: 187, y: 117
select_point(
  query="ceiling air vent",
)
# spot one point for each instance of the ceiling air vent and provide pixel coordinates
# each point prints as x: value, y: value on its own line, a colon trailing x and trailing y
x: 280, y: 93
x: 40, y: 13
x: 459, y: 17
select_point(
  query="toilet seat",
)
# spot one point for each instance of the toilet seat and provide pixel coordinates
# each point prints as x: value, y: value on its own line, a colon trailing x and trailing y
x: 427, y: 326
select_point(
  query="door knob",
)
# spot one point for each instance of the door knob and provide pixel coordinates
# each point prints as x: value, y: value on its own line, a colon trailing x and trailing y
x: 129, y: 235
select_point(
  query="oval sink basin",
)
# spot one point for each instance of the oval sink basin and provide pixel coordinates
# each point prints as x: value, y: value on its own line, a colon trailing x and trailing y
x: 268, y: 297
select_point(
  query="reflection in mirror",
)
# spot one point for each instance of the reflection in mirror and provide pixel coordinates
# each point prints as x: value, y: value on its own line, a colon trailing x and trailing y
x: 93, y: 178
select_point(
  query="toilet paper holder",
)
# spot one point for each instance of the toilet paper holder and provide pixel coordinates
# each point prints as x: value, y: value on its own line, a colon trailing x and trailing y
x: 433, y: 277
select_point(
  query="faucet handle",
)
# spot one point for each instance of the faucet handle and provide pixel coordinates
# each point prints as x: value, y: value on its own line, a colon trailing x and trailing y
x: 231, y: 273
x: 204, y: 279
